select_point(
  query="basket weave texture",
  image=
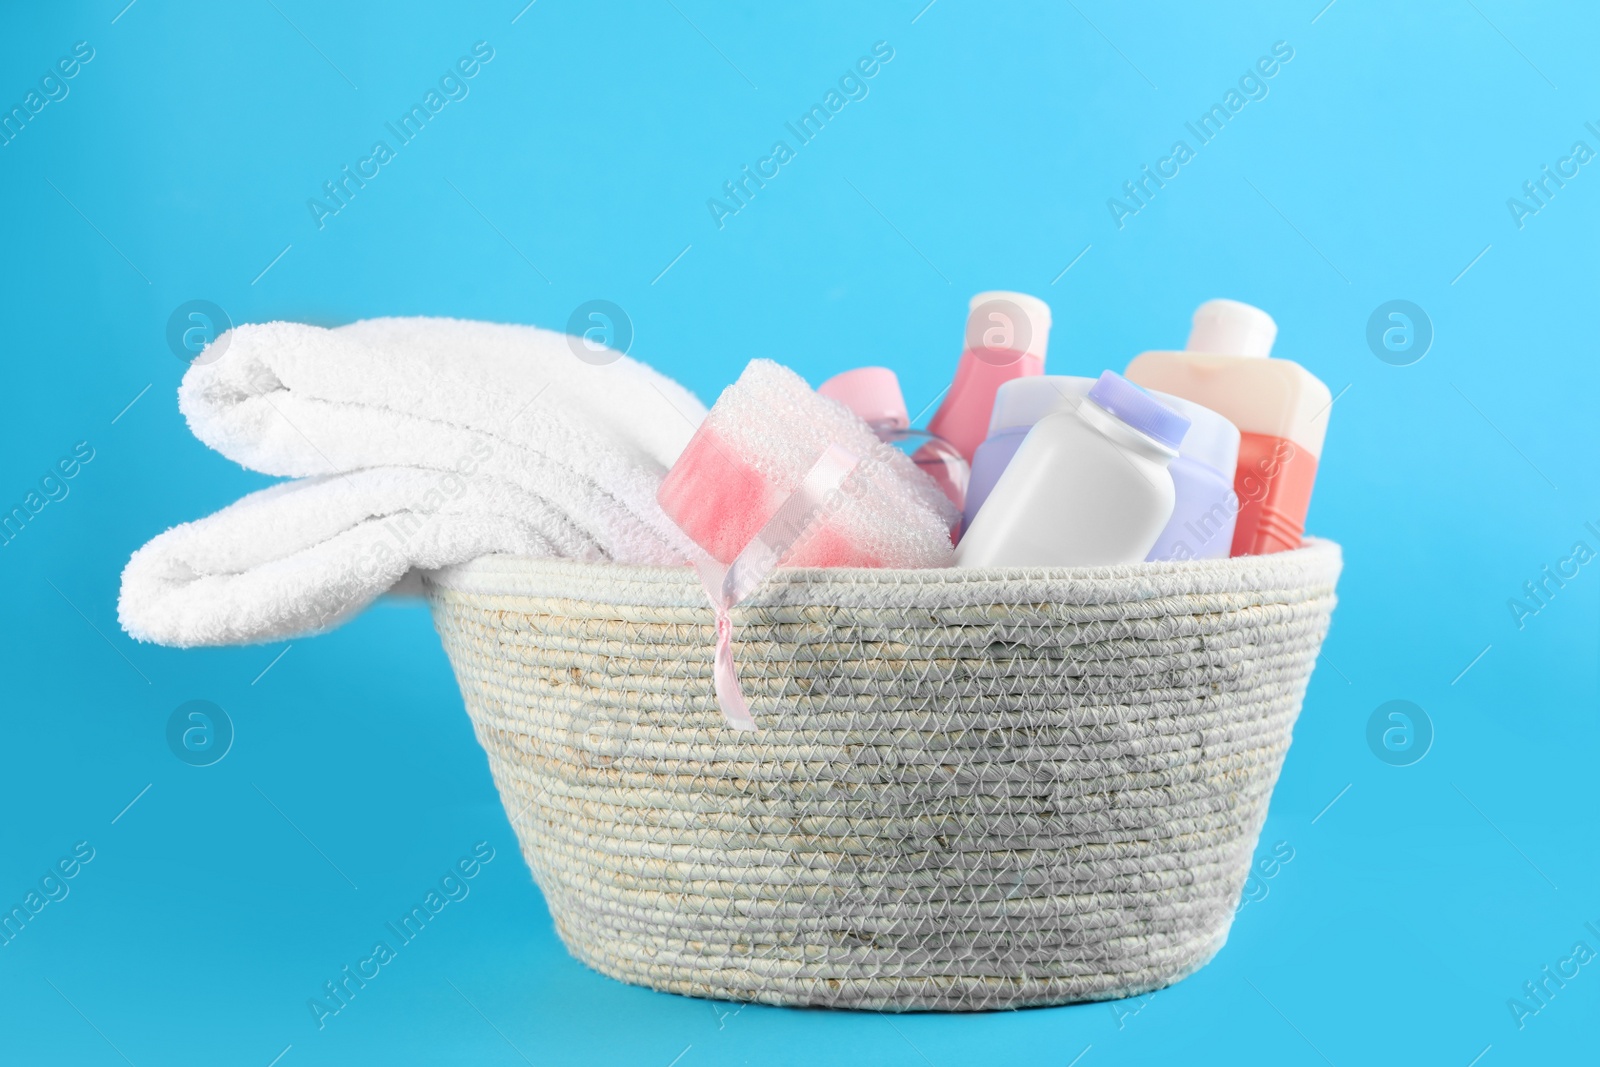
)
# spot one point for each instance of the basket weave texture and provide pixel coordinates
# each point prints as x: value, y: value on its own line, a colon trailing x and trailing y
x: 969, y: 789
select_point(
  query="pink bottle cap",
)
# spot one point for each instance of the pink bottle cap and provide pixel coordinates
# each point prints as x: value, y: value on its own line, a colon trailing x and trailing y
x: 872, y: 393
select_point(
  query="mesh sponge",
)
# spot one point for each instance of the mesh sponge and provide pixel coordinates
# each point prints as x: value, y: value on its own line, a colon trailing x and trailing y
x: 754, y: 449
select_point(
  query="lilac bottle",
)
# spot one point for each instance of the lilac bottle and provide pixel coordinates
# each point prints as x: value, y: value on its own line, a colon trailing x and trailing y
x: 1018, y: 404
x: 1202, y: 477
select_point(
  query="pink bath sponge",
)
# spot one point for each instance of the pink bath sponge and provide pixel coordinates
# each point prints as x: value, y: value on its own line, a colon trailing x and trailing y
x: 754, y: 449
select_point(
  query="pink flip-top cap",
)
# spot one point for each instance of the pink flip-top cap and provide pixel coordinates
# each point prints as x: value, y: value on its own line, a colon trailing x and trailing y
x: 872, y: 393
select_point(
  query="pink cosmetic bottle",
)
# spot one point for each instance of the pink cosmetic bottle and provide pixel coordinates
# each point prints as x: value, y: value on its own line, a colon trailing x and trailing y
x: 1006, y: 338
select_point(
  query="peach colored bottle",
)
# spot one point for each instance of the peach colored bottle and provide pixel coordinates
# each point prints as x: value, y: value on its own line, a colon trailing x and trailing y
x: 1281, y: 410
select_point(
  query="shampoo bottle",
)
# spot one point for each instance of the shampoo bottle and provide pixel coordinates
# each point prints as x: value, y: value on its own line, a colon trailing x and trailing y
x: 1280, y: 408
x: 1007, y: 334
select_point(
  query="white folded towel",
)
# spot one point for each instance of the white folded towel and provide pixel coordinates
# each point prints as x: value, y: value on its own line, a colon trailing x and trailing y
x: 419, y: 442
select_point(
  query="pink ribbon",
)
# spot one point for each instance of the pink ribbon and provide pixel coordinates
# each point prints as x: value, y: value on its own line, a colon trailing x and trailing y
x: 726, y: 586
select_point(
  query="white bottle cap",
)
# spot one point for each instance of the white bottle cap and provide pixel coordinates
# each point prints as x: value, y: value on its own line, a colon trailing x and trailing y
x: 1229, y: 328
x: 1006, y: 321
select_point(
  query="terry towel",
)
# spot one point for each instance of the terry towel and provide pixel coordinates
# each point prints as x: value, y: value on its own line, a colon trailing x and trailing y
x: 417, y: 443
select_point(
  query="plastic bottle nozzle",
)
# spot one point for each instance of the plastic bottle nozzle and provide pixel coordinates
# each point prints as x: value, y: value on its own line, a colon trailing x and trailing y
x: 1229, y: 328
x: 999, y: 321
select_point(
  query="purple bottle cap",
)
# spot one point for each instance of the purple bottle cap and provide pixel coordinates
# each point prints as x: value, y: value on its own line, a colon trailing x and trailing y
x: 1139, y: 409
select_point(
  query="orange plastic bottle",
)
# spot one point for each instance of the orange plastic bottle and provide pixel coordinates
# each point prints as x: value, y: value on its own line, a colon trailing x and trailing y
x: 1281, y: 410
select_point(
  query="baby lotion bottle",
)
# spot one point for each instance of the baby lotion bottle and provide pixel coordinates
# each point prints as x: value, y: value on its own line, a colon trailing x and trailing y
x: 1204, y: 510
x: 1089, y: 486
x: 1280, y: 408
x: 874, y: 394
x: 1007, y: 334
x: 1018, y: 404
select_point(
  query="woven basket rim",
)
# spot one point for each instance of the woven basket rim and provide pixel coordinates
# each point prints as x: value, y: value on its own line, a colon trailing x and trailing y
x: 1315, y: 565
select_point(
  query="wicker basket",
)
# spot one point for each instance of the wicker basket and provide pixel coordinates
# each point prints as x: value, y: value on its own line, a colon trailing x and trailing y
x: 969, y: 789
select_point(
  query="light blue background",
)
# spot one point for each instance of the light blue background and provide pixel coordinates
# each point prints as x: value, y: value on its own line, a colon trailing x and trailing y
x: 1378, y: 168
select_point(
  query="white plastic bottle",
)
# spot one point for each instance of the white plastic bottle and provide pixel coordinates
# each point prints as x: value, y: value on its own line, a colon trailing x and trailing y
x: 1089, y: 486
x: 1201, y: 526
